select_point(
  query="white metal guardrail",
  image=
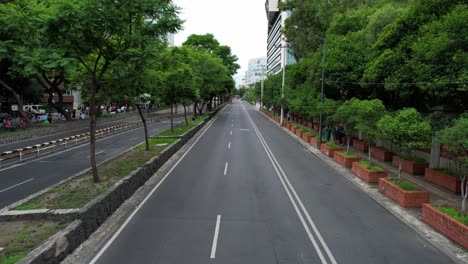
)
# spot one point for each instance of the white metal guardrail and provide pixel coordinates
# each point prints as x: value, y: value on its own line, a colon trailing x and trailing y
x: 31, y: 152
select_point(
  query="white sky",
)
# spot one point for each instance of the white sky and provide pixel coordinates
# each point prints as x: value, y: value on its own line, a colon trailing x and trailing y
x: 241, y: 25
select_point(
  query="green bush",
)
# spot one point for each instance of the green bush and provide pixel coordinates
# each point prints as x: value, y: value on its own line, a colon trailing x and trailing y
x: 407, y: 186
x: 366, y: 164
x: 332, y: 145
x: 452, y: 212
x: 413, y: 158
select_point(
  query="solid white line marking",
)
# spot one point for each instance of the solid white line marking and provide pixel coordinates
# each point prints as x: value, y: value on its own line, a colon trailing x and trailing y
x: 97, y: 153
x: 16, y: 185
x: 282, y: 175
x: 225, y: 168
x: 114, y: 237
x: 215, y: 238
x: 229, y: 145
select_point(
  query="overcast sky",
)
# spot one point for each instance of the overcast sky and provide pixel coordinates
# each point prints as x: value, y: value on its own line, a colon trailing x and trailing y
x: 241, y: 25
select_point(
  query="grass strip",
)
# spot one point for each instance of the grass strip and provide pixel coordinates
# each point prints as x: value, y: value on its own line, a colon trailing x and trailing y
x: 332, y: 145
x: 19, y: 242
x: 80, y: 190
x: 405, y: 185
x: 413, y: 158
x: 452, y: 212
x: 182, y: 128
x: 348, y: 154
x: 366, y: 164
x: 447, y: 172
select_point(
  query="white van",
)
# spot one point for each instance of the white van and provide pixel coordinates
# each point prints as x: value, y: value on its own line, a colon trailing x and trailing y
x: 34, y: 109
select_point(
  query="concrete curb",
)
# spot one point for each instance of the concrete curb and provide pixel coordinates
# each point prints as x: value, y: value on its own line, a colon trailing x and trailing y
x: 89, y: 218
x: 449, y: 248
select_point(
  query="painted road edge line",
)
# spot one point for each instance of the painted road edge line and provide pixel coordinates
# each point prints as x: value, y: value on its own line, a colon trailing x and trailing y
x: 215, y: 237
x: 16, y: 185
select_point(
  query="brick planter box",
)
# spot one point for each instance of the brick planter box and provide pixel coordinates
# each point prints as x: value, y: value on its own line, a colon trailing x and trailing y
x: 343, y: 160
x: 309, y: 124
x: 328, y: 150
x: 443, y: 180
x: 316, y: 127
x: 445, y: 224
x: 313, y: 142
x: 299, y: 133
x: 292, y: 129
x: 409, y: 166
x: 360, y: 145
x: 402, y: 197
x: 367, y: 175
x: 306, y: 137
x: 381, y: 154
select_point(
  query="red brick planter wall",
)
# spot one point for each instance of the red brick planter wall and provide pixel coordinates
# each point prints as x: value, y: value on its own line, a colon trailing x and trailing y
x: 299, y: 133
x: 313, y: 142
x: 410, y: 167
x: 381, y: 154
x: 343, y: 160
x: 316, y: 127
x: 445, y: 224
x: 360, y: 145
x: 446, y: 181
x: 402, y: 197
x: 368, y: 175
x: 305, y: 137
x: 293, y: 129
x: 328, y: 151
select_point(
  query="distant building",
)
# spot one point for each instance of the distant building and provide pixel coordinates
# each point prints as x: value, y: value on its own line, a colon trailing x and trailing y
x: 277, y: 50
x: 256, y: 71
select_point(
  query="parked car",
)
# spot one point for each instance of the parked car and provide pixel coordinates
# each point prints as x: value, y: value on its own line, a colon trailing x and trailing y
x: 35, y: 109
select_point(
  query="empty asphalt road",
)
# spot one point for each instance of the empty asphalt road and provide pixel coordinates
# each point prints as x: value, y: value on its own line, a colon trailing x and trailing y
x: 246, y: 192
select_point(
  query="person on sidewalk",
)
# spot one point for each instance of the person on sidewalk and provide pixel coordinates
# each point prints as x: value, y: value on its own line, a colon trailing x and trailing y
x: 49, y: 118
x: 327, y: 133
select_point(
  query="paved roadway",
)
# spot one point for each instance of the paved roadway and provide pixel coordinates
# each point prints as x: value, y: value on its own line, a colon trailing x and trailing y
x: 27, y: 178
x: 245, y: 196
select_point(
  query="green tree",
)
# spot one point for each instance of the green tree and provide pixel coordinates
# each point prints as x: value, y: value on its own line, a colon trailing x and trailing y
x: 368, y: 113
x: 98, y: 33
x: 406, y: 131
x: 346, y: 115
x: 455, y: 140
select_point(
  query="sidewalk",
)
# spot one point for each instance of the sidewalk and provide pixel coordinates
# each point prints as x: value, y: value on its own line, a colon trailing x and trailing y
x: 410, y: 216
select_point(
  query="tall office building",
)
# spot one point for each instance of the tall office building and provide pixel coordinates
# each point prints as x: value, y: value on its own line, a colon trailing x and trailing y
x: 278, y: 54
x: 256, y: 72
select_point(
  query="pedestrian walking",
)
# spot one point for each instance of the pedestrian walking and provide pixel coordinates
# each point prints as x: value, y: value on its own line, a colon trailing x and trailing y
x: 8, y: 124
x: 327, y: 133
x: 49, y: 118
x: 289, y: 116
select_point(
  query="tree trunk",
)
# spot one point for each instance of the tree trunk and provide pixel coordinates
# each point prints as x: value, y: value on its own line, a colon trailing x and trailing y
x: 369, y: 152
x: 349, y: 140
x: 57, y: 106
x: 172, y: 122
x: 145, y: 127
x: 185, y: 115
x: 195, y: 109
x: 18, y: 100
x: 92, y: 131
x: 400, y: 166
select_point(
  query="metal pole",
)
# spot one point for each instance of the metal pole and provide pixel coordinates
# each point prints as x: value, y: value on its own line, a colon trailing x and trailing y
x: 282, y: 88
x: 321, y: 93
x: 261, y: 90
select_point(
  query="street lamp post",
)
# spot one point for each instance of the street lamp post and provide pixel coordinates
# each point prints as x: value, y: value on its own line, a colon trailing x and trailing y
x: 324, y: 40
x: 282, y: 84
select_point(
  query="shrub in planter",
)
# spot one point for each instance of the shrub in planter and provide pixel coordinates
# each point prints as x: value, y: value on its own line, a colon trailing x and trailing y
x: 306, y: 135
x: 448, y: 221
x: 455, y: 140
x: 381, y: 154
x: 442, y: 177
x: 403, y: 192
x: 410, y: 164
x: 329, y: 148
x: 298, y: 131
x: 368, y: 172
x: 406, y: 131
x: 344, y: 158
